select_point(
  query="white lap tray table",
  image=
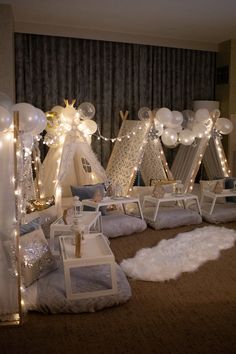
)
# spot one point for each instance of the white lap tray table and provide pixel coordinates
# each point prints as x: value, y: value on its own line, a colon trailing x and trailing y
x: 122, y: 201
x: 95, y: 251
x: 183, y: 198
x: 89, y: 219
x: 214, y: 197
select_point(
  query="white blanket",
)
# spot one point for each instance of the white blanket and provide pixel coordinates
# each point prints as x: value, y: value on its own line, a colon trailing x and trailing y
x: 184, y: 253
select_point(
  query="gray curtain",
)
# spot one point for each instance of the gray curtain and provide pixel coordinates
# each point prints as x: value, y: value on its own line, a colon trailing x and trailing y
x: 113, y: 76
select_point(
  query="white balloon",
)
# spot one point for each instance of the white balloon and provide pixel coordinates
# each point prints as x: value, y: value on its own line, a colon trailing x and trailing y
x: 199, y: 130
x: 215, y: 114
x: 144, y: 113
x: 188, y: 118
x: 224, y: 125
x: 169, y: 137
x: 5, y: 101
x: 86, y: 110
x: 178, y: 128
x: 158, y: 127
x: 186, y: 137
x: 170, y: 125
x: 42, y: 122
x: 188, y: 113
x: 88, y: 126
x: 5, y: 119
x: 28, y: 117
x: 27, y: 140
x: 164, y: 115
x: 57, y: 109
x: 177, y: 117
x: 201, y: 115
x: 208, y: 123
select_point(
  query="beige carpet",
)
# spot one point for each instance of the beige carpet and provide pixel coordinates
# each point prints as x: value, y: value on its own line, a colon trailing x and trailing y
x: 194, y: 314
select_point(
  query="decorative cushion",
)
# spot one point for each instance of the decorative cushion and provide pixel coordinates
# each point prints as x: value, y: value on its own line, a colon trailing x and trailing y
x: 36, y: 257
x: 115, y: 225
x: 219, y: 187
x: 170, y: 217
x: 89, y: 192
x: 30, y: 226
x: 208, y: 185
x: 48, y: 295
x: 46, y: 216
x: 158, y: 191
x: 167, y: 186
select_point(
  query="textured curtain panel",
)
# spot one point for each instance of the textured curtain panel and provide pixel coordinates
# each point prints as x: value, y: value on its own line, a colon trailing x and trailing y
x: 113, y: 76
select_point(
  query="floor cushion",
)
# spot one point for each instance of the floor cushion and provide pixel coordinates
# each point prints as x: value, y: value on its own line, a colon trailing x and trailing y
x: 115, y: 225
x: 222, y: 213
x: 48, y: 295
x: 170, y: 217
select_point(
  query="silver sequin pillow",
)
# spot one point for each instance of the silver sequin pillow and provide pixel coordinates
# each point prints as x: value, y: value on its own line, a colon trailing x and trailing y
x: 36, y: 257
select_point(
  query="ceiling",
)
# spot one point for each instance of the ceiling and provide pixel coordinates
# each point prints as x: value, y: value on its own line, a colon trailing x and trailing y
x: 197, y: 24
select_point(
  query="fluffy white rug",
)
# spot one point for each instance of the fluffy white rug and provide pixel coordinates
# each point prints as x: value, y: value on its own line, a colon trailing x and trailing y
x: 184, y: 253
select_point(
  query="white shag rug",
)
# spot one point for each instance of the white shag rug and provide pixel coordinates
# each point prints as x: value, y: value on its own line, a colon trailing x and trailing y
x: 184, y: 253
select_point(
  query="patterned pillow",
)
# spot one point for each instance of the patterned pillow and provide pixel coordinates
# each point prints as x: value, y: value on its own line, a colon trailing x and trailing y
x: 30, y: 226
x: 158, y: 191
x: 36, y: 257
x: 168, y: 186
x: 210, y: 185
x: 219, y: 187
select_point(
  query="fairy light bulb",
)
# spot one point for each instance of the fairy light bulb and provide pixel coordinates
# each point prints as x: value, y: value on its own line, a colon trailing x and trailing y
x: 8, y: 136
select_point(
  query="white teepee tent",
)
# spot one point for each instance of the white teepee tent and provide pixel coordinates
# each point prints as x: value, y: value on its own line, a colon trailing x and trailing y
x: 74, y: 163
x: 134, y: 150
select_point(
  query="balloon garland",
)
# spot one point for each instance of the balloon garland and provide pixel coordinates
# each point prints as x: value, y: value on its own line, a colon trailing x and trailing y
x: 173, y: 127
x: 176, y: 127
